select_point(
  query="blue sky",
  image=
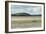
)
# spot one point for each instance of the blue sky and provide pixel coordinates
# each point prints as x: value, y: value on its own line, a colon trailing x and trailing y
x: 33, y: 10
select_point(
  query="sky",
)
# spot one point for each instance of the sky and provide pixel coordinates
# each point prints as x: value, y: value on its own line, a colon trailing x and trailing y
x: 32, y: 10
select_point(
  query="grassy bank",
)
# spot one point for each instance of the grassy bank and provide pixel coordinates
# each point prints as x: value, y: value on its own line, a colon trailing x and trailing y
x: 26, y: 21
x: 23, y: 22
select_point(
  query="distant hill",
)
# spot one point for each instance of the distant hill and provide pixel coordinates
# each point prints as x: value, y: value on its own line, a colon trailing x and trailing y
x: 23, y: 14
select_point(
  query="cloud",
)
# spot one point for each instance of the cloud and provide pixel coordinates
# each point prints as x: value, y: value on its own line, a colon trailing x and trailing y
x: 26, y: 9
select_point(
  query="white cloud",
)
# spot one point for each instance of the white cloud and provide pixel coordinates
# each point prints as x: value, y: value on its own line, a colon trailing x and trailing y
x: 28, y: 9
